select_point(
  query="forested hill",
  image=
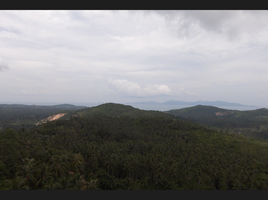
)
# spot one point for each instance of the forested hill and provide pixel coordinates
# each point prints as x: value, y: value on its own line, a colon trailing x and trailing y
x: 113, y: 146
x: 253, y: 123
x: 18, y: 116
x: 119, y: 110
x: 198, y: 112
x: 22, y: 106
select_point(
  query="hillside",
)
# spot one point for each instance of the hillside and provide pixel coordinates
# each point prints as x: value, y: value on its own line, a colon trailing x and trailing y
x: 19, y: 116
x: 114, y: 146
x: 119, y: 110
x: 252, y: 123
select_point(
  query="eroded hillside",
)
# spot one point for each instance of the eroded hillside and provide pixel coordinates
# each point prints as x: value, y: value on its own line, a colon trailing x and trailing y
x: 51, y: 118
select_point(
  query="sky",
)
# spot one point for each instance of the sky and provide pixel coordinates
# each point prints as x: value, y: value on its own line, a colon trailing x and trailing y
x: 133, y: 56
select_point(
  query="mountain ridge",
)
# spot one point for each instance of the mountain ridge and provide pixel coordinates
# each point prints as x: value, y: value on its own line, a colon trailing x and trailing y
x: 251, y: 123
x: 209, y: 103
x: 117, y: 110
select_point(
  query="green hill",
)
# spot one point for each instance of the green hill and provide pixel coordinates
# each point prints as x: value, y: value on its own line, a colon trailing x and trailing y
x: 118, y: 147
x: 253, y: 123
x: 118, y: 110
x: 19, y: 116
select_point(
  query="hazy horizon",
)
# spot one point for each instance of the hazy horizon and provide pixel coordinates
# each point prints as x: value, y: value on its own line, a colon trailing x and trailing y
x: 158, y: 107
x: 134, y: 56
x: 135, y: 102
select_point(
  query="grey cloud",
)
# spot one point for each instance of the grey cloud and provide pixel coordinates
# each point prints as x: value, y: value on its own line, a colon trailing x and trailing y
x: 230, y: 23
x: 210, y: 20
x: 3, y: 66
x: 143, y: 54
x: 12, y: 30
x: 78, y: 16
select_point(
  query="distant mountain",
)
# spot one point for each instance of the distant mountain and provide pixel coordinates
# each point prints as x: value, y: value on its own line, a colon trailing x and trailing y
x: 60, y: 106
x: 220, y: 103
x: 144, y: 102
x: 172, y: 102
x: 207, y: 103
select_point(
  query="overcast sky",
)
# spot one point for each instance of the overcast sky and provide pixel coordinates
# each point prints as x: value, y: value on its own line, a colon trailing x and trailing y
x: 132, y: 56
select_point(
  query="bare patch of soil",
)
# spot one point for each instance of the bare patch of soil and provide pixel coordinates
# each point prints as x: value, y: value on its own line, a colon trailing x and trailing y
x: 51, y: 118
x: 223, y: 113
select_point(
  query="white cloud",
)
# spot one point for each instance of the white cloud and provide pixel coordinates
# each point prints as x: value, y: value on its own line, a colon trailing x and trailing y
x: 134, y: 89
x: 158, y: 55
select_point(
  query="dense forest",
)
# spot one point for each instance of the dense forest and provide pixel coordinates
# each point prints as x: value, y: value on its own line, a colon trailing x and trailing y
x: 17, y: 116
x: 118, y: 147
x: 252, y: 124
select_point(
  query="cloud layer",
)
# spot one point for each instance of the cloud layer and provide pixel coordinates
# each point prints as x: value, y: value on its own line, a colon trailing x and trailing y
x: 3, y: 65
x: 134, y: 89
x: 103, y: 56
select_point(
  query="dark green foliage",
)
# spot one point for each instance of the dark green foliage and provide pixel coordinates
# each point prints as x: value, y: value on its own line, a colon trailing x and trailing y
x: 18, y: 116
x: 252, y: 124
x: 129, y: 149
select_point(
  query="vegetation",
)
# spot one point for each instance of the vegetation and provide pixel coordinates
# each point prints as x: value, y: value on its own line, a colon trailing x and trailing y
x: 117, y: 147
x: 19, y: 116
x: 252, y: 124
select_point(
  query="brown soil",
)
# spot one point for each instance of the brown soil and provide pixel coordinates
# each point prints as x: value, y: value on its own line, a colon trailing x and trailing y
x: 51, y: 118
x: 223, y: 113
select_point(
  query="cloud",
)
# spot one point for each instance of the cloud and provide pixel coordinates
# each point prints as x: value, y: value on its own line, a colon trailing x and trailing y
x: 134, y: 89
x: 231, y: 23
x: 212, y: 54
x: 193, y: 94
x: 261, y: 95
x: 3, y: 65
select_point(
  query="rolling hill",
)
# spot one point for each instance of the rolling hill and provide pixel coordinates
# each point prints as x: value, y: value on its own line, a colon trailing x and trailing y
x: 117, y: 147
x: 252, y: 123
x: 18, y: 116
x: 118, y: 110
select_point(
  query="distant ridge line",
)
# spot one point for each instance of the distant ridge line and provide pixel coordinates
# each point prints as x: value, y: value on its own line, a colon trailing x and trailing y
x: 207, y: 103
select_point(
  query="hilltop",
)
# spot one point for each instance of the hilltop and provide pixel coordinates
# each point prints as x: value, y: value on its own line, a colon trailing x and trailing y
x: 252, y: 123
x: 118, y: 110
